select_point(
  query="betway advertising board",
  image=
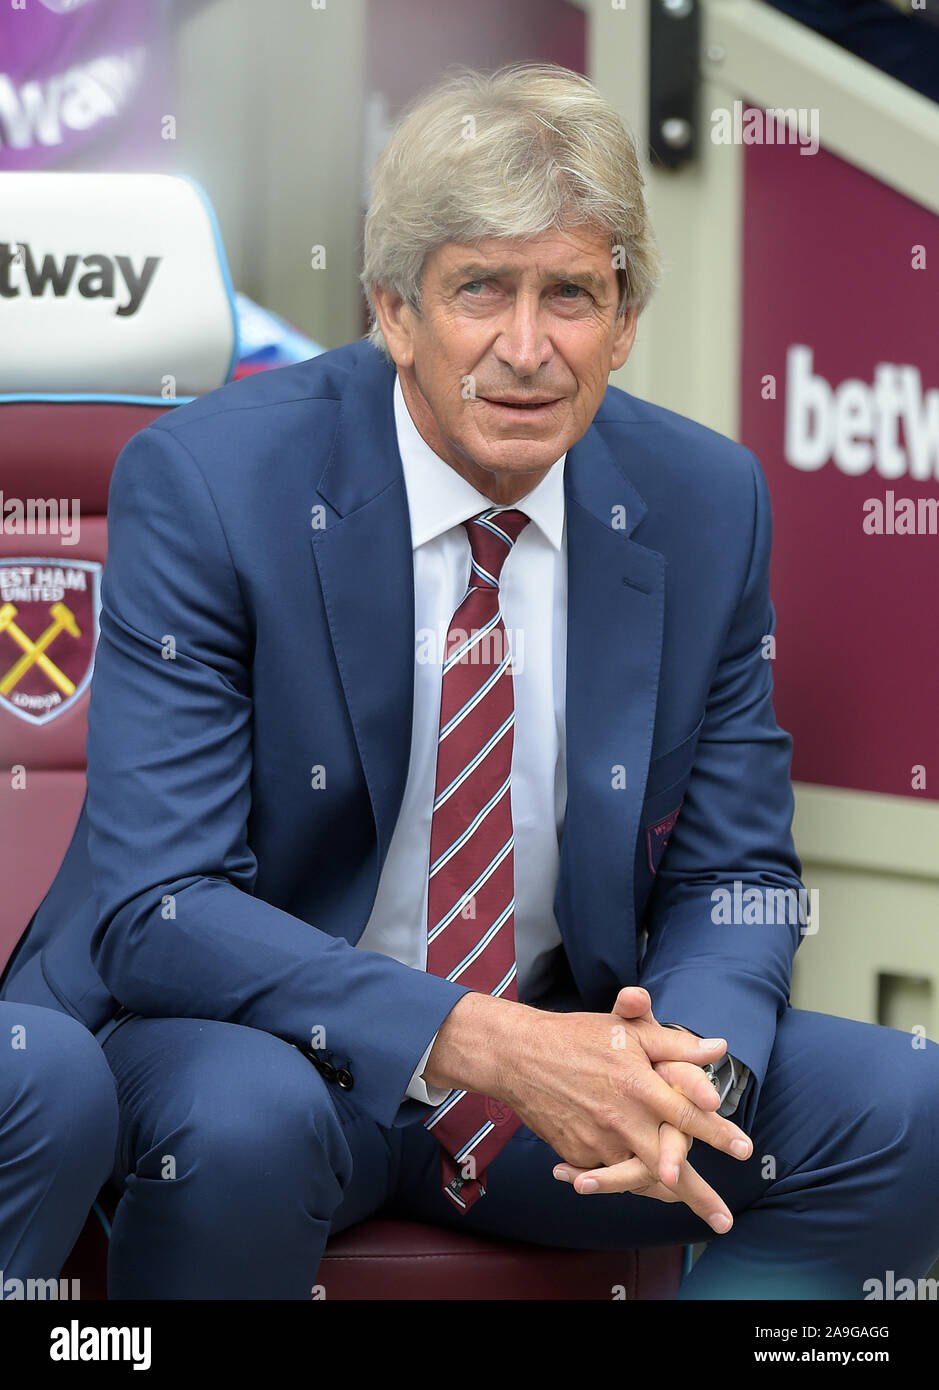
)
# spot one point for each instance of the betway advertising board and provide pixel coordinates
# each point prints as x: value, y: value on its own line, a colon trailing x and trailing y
x: 840, y: 401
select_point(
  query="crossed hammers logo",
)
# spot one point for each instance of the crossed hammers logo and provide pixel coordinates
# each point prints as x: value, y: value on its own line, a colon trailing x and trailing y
x: 34, y: 653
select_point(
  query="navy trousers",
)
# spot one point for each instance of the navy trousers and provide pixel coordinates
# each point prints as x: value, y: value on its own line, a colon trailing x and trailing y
x: 58, y: 1129
x: 237, y: 1160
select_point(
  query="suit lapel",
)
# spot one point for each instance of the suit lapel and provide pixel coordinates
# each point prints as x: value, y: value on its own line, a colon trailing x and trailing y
x: 616, y: 601
x: 365, y: 564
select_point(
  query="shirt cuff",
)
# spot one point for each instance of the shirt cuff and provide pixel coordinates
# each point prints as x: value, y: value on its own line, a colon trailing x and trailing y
x: 419, y: 1089
x: 734, y: 1087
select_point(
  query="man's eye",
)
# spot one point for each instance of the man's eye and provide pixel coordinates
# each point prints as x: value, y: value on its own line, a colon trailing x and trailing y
x: 473, y: 286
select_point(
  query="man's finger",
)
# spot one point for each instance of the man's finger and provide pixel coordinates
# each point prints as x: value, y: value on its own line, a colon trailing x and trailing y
x: 633, y: 1176
x: 634, y: 1002
x: 673, y: 1150
x: 630, y: 1175
x: 661, y: 1098
x: 691, y: 1081
x: 676, y: 1045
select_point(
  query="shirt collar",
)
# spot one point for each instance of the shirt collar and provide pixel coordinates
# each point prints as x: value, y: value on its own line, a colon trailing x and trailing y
x: 439, y: 498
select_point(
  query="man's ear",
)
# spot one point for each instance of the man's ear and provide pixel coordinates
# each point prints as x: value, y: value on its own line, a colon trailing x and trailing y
x: 623, y: 338
x: 395, y: 318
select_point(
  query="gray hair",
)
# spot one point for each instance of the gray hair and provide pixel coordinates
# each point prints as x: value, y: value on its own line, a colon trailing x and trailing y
x: 528, y: 148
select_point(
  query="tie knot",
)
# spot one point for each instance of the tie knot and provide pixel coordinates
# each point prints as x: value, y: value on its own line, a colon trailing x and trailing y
x: 491, y: 536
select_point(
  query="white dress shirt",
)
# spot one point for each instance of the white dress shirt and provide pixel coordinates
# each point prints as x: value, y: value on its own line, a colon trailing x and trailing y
x: 533, y: 596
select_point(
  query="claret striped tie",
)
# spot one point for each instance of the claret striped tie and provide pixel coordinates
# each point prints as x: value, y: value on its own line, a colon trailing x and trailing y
x: 471, y: 889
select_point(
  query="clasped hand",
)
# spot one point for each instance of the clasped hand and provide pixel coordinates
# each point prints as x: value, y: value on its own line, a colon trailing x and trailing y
x: 632, y: 1123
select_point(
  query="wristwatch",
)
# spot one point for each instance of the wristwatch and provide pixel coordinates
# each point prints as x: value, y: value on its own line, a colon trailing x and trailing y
x: 728, y: 1076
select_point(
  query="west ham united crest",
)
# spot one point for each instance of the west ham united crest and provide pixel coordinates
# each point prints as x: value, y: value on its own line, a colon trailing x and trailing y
x: 48, y: 632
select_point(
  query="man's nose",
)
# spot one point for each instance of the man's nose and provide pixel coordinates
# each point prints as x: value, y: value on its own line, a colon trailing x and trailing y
x: 523, y: 343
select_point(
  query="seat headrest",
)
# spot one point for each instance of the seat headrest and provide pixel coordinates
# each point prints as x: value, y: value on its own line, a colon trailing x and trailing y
x: 112, y: 286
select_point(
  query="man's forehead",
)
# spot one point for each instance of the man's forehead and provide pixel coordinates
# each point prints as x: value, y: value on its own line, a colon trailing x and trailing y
x: 591, y: 264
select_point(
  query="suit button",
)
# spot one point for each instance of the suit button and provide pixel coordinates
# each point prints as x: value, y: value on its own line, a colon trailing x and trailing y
x: 328, y: 1071
x: 344, y: 1078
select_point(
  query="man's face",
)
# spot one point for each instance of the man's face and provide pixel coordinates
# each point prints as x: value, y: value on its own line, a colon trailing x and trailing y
x: 509, y: 320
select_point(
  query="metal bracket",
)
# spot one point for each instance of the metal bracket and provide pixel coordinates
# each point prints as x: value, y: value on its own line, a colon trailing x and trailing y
x: 674, y: 47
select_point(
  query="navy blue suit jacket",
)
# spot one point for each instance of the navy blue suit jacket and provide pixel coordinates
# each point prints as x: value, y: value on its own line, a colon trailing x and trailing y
x: 258, y: 624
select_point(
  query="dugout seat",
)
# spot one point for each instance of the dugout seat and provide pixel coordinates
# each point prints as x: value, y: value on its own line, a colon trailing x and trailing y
x: 140, y: 319
x: 117, y: 306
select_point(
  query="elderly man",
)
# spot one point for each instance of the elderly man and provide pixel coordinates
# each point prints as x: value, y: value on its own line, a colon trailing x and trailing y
x: 430, y: 713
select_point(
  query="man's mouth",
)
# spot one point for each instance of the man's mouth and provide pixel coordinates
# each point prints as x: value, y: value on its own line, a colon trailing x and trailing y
x: 521, y: 405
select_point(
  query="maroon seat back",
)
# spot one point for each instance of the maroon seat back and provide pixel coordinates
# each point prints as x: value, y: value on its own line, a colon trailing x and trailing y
x: 62, y: 454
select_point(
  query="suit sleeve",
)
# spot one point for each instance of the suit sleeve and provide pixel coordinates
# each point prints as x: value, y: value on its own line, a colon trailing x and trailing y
x: 719, y: 978
x: 179, y: 931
